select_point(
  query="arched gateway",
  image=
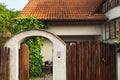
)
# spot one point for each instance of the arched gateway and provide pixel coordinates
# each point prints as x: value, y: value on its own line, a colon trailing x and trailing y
x: 59, y: 64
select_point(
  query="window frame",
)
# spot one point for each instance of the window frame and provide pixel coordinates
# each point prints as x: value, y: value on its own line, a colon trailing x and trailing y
x: 112, y: 29
x: 108, y: 29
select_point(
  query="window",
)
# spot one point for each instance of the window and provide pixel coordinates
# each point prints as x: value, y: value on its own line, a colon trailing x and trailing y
x: 112, y: 29
x: 118, y: 27
x: 107, y: 31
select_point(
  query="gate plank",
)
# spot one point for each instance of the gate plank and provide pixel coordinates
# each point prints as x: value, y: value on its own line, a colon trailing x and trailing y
x: 95, y: 47
x: 73, y: 54
x: 91, y: 60
x: 67, y: 63
x: 24, y: 62
x: 78, y: 62
x: 7, y: 51
x: 70, y: 64
x: 85, y: 60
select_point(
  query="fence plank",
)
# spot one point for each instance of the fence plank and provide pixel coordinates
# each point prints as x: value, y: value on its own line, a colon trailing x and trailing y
x: 8, y: 64
x: 70, y: 65
x: 91, y: 60
x: 73, y: 59
x: 78, y: 58
x: 1, y: 60
x: 67, y: 63
x: 4, y: 63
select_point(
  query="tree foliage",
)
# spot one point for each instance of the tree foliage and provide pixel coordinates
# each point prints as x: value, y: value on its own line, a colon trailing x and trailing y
x: 6, y: 18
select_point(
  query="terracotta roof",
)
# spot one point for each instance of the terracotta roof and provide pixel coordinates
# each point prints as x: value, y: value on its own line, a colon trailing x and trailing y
x: 63, y: 9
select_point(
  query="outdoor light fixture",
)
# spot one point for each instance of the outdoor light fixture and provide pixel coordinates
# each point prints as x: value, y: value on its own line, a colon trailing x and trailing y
x: 58, y: 54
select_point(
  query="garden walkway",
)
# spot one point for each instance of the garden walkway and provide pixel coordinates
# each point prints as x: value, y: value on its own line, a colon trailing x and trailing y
x: 47, y: 77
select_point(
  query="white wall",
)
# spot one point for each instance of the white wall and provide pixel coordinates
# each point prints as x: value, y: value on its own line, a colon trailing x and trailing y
x: 47, y: 49
x: 118, y: 66
x: 113, y: 13
x: 76, y: 30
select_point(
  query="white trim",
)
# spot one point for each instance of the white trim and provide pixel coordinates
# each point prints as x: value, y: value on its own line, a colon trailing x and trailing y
x: 113, y: 13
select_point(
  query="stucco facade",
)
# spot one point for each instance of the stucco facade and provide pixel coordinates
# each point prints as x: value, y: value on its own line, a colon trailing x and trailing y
x: 68, y: 30
x: 47, y: 50
x: 113, y: 13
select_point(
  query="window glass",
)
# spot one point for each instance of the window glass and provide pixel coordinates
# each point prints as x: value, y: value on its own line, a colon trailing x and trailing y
x: 107, y: 31
x: 112, y: 29
x: 118, y: 27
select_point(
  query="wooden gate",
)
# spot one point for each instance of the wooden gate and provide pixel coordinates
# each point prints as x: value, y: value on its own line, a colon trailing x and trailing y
x: 24, y: 62
x: 4, y: 63
x: 91, y: 60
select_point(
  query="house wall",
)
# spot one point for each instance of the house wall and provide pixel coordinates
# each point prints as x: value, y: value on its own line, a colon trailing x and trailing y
x: 118, y: 66
x: 113, y: 13
x: 47, y: 50
x: 64, y: 30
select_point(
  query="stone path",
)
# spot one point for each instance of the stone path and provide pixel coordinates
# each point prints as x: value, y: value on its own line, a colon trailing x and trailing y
x: 47, y: 77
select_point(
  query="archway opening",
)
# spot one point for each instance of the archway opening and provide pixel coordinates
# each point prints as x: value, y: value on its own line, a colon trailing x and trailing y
x: 59, y: 49
x: 39, y: 52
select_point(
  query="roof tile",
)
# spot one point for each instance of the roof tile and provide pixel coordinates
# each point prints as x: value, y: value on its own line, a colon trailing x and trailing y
x: 62, y: 9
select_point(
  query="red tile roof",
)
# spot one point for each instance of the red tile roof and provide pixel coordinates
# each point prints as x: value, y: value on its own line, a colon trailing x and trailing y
x: 63, y: 9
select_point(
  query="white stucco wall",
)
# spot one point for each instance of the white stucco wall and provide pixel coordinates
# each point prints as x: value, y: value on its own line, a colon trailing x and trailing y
x: 47, y: 50
x: 76, y: 30
x: 118, y: 66
x: 113, y: 13
x: 59, y: 47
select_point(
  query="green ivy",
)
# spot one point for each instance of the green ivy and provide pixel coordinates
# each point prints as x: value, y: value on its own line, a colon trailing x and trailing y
x: 34, y: 43
x: 27, y: 23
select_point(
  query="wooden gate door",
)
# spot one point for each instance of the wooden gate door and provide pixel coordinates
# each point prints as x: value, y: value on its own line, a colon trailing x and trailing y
x: 91, y: 60
x: 24, y: 62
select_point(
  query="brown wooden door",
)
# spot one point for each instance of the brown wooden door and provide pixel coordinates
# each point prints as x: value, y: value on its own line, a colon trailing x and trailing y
x: 24, y: 62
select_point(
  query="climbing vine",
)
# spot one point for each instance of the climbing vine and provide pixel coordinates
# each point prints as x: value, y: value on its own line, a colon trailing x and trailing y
x: 34, y: 43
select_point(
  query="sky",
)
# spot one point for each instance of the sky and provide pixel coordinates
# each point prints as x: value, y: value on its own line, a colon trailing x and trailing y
x: 15, y: 4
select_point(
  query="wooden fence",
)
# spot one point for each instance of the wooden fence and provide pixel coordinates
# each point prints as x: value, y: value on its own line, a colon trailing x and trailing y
x: 87, y: 60
x: 4, y: 63
x: 91, y: 60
